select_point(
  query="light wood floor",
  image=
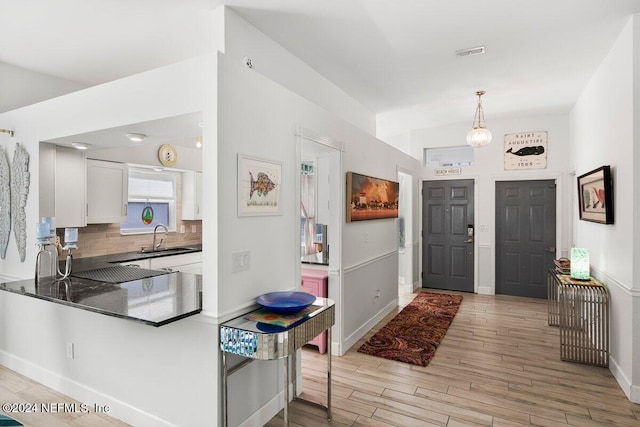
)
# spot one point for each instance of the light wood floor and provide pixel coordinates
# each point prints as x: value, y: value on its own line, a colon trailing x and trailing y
x: 499, y: 365
x: 15, y: 388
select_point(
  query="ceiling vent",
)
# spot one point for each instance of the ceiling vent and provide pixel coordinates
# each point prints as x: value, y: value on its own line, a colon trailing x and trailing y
x: 472, y: 51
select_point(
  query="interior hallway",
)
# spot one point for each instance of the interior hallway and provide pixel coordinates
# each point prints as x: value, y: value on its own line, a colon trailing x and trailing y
x: 498, y: 365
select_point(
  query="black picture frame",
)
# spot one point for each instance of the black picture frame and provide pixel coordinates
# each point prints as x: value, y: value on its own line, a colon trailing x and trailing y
x: 595, y: 196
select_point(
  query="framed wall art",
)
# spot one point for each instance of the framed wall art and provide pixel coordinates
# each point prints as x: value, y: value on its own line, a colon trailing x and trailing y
x: 371, y: 198
x: 595, y: 196
x: 525, y: 150
x: 259, y: 184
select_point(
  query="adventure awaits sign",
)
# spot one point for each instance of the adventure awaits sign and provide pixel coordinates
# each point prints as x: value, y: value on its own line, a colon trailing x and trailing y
x: 525, y: 150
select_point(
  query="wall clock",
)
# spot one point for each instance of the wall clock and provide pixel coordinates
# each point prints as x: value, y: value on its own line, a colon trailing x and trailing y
x: 167, y: 155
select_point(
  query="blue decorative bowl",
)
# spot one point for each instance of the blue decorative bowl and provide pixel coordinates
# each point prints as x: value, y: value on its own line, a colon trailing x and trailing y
x: 286, y: 302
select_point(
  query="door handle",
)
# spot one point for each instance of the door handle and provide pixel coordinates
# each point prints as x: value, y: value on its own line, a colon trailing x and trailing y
x: 469, y: 240
x: 551, y: 249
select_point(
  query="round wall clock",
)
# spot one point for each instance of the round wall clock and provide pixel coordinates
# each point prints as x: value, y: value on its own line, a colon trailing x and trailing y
x: 167, y: 155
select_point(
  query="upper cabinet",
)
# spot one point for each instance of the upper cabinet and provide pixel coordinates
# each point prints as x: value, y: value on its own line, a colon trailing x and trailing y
x: 107, y: 192
x: 191, y: 195
x: 69, y: 181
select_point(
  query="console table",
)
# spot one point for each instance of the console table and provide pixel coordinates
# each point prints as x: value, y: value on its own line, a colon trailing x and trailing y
x: 581, y: 309
x: 257, y: 341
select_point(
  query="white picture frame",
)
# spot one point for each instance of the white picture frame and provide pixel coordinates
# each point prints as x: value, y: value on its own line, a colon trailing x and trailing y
x: 259, y: 182
x: 525, y: 150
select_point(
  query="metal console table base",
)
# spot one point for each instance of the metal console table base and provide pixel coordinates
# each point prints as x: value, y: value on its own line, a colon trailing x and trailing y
x: 244, y: 338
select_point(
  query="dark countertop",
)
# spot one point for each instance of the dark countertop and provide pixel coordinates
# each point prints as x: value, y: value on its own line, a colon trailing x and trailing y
x: 100, y: 261
x: 155, y: 301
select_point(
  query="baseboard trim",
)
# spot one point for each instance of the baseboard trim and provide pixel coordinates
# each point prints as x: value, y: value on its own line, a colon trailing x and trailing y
x: 266, y: 412
x: 270, y: 409
x: 366, y: 327
x: 80, y: 392
x: 623, y: 381
x: 485, y: 290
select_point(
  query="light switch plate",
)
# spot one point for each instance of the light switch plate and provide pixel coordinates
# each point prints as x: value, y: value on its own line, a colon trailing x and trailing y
x: 240, y: 261
x: 70, y: 352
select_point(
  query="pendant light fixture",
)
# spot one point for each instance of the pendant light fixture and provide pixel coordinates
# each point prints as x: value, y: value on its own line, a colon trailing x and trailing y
x: 479, y: 136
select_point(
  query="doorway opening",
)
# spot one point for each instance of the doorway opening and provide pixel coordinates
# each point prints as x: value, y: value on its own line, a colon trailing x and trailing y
x: 406, y: 247
x: 321, y: 201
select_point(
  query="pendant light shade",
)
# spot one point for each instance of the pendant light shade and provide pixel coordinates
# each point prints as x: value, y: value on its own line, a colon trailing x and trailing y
x: 479, y: 135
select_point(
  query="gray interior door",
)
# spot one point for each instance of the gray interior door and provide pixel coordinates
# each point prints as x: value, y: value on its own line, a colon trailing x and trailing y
x: 525, y: 236
x: 447, y: 227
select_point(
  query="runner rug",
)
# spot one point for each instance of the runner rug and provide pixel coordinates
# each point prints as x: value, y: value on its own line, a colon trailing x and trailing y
x: 414, y: 334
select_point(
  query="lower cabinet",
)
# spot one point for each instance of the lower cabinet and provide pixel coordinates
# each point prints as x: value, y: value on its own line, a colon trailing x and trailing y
x: 186, y: 263
x: 315, y: 282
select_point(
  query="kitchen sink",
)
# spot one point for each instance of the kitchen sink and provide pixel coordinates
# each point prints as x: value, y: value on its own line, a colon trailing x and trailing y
x: 165, y: 250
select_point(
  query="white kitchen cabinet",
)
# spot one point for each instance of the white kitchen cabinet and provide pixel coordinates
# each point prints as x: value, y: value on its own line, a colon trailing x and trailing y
x: 70, y: 187
x: 186, y: 263
x: 191, y: 195
x: 107, y: 192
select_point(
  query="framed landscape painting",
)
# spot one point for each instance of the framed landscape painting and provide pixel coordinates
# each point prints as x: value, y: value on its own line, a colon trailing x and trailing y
x: 595, y: 196
x: 371, y: 198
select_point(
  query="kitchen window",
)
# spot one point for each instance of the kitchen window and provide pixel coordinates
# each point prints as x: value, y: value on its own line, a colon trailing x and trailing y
x: 152, y: 201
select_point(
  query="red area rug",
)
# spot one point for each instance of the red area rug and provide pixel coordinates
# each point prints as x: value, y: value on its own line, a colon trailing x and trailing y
x: 415, y: 333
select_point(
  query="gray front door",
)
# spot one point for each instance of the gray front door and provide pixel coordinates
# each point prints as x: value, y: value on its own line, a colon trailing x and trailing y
x: 525, y: 236
x: 447, y: 226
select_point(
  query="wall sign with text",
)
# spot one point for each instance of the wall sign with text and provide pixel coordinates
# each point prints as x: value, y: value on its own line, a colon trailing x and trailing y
x: 525, y: 150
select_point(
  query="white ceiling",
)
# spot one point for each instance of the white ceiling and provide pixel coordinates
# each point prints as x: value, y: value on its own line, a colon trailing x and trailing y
x: 395, y: 56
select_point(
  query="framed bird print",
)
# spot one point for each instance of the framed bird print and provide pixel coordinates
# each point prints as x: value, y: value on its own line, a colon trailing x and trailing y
x: 595, y: 196
x: 525, y: 150
x: 259, y: 184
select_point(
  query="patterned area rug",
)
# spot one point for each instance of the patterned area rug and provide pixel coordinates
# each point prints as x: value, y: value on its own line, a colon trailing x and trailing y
x: 415, y: 333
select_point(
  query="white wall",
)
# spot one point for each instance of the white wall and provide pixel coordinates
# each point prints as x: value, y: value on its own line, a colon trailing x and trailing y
x: 20, y: 87
x: 258, y: 116
x: 604, y: 122
x: 261, y: 117
x: 488, y: 168
x: 149, y: 376
x: 242, y: 40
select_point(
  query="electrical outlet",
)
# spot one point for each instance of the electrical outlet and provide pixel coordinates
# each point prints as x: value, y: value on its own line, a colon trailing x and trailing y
x: 194, y: 229
x: 70, y: 350
x: 182, y: 229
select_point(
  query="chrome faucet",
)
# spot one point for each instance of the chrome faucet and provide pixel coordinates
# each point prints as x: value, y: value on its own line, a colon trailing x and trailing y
x: 155, y: 230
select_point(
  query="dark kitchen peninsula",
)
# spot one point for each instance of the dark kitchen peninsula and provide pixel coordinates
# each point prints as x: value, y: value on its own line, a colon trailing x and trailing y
x: 163, y: 298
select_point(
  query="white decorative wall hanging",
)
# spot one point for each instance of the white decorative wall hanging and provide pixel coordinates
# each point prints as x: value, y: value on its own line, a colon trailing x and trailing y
x: 5, y: 203
x: 19, y: 192
x: 525, y: 150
